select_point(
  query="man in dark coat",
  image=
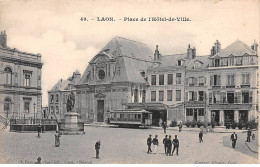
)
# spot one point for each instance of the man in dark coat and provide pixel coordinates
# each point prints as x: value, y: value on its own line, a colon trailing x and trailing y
x: 39, y: 129
x: 165, y: 142
x: 176, y: 144
x: 249, y: 133
x: 234, y: 139
x: 200, y: 136
x: 169, y: 145
x: 180, y: 126
x: 149, y: 143
x: 164, y: 127
x: 97, y: 147
x: 155, y: 143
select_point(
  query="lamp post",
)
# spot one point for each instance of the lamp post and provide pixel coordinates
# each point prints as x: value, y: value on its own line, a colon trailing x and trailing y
x: 34, y: 113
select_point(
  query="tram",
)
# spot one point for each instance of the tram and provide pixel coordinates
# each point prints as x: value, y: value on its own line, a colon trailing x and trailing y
x: 131, y: 118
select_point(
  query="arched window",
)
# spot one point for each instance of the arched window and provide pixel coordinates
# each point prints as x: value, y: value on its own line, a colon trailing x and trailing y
x: 7, y: 105
x: 8, y: 75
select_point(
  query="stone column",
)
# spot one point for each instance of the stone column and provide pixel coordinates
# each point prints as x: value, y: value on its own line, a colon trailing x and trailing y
x: 221, y: 117
x: 236, y: 116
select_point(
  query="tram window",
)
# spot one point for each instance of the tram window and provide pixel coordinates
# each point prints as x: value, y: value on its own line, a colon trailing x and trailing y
x: 121, y: 115
x: 114, y: 115
x: 139, y: 116
x: 117, y: 115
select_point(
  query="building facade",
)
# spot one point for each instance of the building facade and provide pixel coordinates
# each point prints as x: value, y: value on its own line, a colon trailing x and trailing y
x: 20, y: 82
x: 114, y: 77
x: 220, y: 87
x: 58, y: 96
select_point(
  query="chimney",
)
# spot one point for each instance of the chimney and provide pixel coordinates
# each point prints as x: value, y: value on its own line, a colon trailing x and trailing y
x: 3, y: 39
x: 217, y: 47
x: 212, y: 52
x: 189, y: 52
x: 193, y: 52
x: 254, y: 46
x: 156, y: 54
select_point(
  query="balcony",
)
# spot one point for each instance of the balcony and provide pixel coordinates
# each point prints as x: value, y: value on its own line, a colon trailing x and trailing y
x: 230, y: 86
x: 245, y: 86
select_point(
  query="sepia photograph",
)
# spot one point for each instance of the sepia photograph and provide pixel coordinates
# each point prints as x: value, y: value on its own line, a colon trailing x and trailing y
x: 129, y: 82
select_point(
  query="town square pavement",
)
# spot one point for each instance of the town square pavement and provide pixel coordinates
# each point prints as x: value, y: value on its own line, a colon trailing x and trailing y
x: 122, y: 145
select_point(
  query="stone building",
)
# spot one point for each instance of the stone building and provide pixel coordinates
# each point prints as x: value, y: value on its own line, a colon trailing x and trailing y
x: 220, y: 87
x: 20, y: 82
x: 57, y: 96
x: 233, y: 84
x: 114, y: 77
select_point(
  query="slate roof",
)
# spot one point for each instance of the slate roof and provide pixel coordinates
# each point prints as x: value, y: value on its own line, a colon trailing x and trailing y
x: 60, y: 85
x: 131, y: 57
x: 172, y: 60
x: 237, y: 48
x: 204, y: 60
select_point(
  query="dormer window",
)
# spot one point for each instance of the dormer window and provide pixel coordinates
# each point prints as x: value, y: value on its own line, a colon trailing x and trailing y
x: 217, y: 62
x: 197, y: 65
x: 180, y: 62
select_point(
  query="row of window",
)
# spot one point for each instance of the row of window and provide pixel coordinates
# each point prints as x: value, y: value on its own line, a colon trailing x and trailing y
x: 169, y: 79
x: 8, y: 77
x: 233, y: 61
x: 126, y: 116
x: 196, y: 81
x: 215, y: 80
x: 195, y: 112
x: 169, y: 95
x: 231, y: 97
x: 195, y: 96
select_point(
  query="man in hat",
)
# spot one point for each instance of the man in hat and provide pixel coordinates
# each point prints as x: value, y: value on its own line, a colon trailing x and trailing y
x: 169, y: 145
x: 39, y: 129
x: 200, y: 136
x: 249, y: 133
x: 180, y: 126
x: 149, y: 143
x: 164, y: 127
x: 175, y: 143
x: 38, y: 160
x: 155, y: 143
x: 165, y: 142
x: 234, y: 139
x: 97, y: 147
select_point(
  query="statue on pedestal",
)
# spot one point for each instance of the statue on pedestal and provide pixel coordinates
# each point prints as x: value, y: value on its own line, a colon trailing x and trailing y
x: 70, y: 102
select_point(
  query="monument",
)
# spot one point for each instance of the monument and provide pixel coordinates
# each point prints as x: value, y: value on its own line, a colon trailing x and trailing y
x: 71, y: 126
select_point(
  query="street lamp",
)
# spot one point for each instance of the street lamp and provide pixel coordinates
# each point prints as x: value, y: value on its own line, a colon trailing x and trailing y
x: 34, y: 113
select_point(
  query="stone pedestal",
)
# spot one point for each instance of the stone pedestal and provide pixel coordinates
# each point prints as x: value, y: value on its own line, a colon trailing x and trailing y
x: 71, y: 126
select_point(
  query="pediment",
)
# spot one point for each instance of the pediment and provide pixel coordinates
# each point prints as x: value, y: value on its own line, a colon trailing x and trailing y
x: 100, y: 95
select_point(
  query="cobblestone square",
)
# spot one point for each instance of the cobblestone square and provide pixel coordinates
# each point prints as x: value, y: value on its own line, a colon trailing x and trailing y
x: 122, y: 145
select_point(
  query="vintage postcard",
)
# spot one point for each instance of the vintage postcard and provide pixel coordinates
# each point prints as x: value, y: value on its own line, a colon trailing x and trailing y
x: 129, y: 82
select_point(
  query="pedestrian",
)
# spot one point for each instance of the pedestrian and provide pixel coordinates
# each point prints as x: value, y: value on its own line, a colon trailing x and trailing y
x: 169, y: 145
x: 234, y: 139
x: 176, y: 144
x: 97, y: 147
x: 39, y: 129
x: 39, y: 159
x: 180, y: 126
x: 253, y: 137
x: 249, y: 132
x: 149, y: 143
x: 164, y: 127
x: 165, y: 143
x: 200, y: 136
x: 57, y: 139
x: 155, y: 143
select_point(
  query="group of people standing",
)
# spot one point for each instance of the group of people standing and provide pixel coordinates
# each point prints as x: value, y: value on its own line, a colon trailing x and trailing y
x: 168, y: 143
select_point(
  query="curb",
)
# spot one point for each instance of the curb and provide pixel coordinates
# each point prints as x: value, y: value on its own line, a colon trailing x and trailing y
x: 159, y: 128
x: 250, y: 148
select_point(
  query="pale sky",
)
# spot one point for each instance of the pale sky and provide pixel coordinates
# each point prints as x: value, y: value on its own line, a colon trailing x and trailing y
x: 67, y: 44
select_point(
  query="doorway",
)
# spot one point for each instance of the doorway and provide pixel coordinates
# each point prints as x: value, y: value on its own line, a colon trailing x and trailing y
x: 100, y: 111
x: 215, y: 116
x: 195, y: 118
x: 229, y: 117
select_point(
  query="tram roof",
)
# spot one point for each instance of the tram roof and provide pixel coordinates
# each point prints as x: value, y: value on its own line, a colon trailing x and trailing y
x: 130, y: 111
